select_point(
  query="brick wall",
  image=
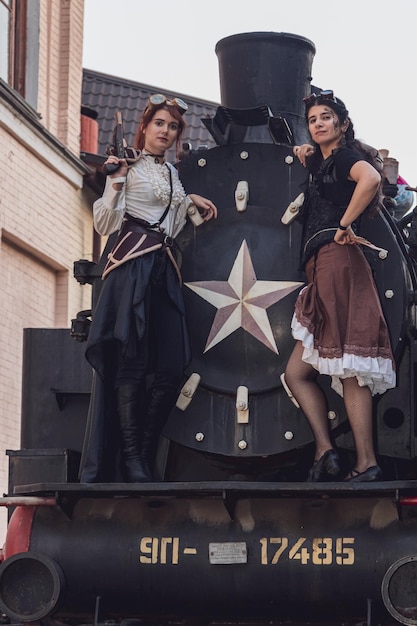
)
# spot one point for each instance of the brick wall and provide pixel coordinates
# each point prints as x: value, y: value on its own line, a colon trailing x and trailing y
x: 45, y: 211
x: 60, y: 69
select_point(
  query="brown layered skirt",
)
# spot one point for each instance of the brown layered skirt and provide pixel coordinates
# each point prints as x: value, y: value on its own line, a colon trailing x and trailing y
x: 339, y: 320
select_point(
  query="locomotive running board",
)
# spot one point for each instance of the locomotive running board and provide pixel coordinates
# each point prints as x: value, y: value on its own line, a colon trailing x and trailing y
x: 403, y: 493
x: 216, y: 487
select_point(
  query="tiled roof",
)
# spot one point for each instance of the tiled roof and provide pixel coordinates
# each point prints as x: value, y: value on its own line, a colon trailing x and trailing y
x: 104, y: 94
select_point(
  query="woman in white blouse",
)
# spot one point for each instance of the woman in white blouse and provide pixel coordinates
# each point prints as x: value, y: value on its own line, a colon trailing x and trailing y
x: 139, y: 324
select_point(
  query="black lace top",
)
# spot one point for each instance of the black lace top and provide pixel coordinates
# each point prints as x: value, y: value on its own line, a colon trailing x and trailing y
x: 328, y: 194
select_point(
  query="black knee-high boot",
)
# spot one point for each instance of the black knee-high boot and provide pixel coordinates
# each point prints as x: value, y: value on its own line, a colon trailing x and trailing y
x: 131, y: 407
x: 161, y: 403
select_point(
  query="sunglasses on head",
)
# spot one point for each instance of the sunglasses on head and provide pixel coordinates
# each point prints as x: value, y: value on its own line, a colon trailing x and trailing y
x: 327, y: 94
x: 158, y: 98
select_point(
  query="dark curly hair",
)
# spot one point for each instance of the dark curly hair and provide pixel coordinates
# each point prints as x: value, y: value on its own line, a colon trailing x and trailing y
x: 366, y: 152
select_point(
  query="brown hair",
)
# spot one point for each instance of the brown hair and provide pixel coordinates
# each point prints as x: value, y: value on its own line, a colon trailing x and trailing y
x: 148, y: 116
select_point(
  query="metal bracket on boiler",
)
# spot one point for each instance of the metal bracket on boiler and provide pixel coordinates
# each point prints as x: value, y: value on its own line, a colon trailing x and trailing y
x: 194, y: 215
x: 188, y: 391
x: 242, y: 405
x: 242, y: 196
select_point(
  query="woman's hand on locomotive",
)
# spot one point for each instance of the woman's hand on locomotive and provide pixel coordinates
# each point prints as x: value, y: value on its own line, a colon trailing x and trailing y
x: 206, y: 207
x: 302, y: 152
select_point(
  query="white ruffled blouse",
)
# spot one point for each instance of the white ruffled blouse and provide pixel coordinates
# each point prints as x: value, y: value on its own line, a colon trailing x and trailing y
x: 145, y: 194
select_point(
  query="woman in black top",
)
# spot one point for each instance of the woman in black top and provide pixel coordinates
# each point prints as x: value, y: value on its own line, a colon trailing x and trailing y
x: 338, y: 321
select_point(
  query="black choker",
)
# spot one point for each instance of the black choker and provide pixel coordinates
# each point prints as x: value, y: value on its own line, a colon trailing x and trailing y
x: 158, y: 158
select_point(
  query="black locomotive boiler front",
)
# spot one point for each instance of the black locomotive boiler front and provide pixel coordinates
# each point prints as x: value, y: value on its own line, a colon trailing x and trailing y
x: 242, y: 275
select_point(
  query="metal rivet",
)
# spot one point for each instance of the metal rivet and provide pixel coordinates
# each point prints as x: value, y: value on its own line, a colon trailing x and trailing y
x: 332, y: 415
x: 202, y: 162
x: 289, y: 435
x: 383, y: 254
x: 244, y: 155
x: 289, y: 159
x: 242, y: 444
x: 199, y: 437
x: 389, y: 293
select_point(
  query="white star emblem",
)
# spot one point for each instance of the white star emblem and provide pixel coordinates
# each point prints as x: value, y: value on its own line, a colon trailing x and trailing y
x: 242, y: 300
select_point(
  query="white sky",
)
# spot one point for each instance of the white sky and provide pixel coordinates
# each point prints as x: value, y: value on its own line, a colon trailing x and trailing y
x: 366, y: 51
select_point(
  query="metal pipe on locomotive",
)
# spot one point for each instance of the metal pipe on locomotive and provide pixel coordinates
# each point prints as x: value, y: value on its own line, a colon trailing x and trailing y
x: 232, y: 533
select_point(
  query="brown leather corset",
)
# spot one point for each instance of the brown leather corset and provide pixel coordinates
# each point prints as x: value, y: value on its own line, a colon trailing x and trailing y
x: 135, y: 240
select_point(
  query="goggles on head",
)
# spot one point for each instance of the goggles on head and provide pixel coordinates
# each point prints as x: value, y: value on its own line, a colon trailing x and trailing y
x: 158, y: 98
x: 327, y: 94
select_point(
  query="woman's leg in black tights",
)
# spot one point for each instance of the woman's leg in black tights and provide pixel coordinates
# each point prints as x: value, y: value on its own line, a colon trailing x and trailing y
x: 301, y: 379
x: 358, y: 403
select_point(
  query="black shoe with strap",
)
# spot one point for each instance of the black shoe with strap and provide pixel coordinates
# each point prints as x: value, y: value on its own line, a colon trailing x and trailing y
x: 325, y: 468
x: 371, y: 474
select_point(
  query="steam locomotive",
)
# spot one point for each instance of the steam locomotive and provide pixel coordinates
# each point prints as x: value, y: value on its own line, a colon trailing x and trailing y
x: 232, y: 534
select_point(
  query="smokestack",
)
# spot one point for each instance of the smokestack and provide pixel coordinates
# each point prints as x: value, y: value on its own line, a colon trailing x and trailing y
x: 272, y: 69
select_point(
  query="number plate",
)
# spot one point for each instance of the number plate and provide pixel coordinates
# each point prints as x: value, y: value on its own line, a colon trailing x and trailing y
x: 227, y: 553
